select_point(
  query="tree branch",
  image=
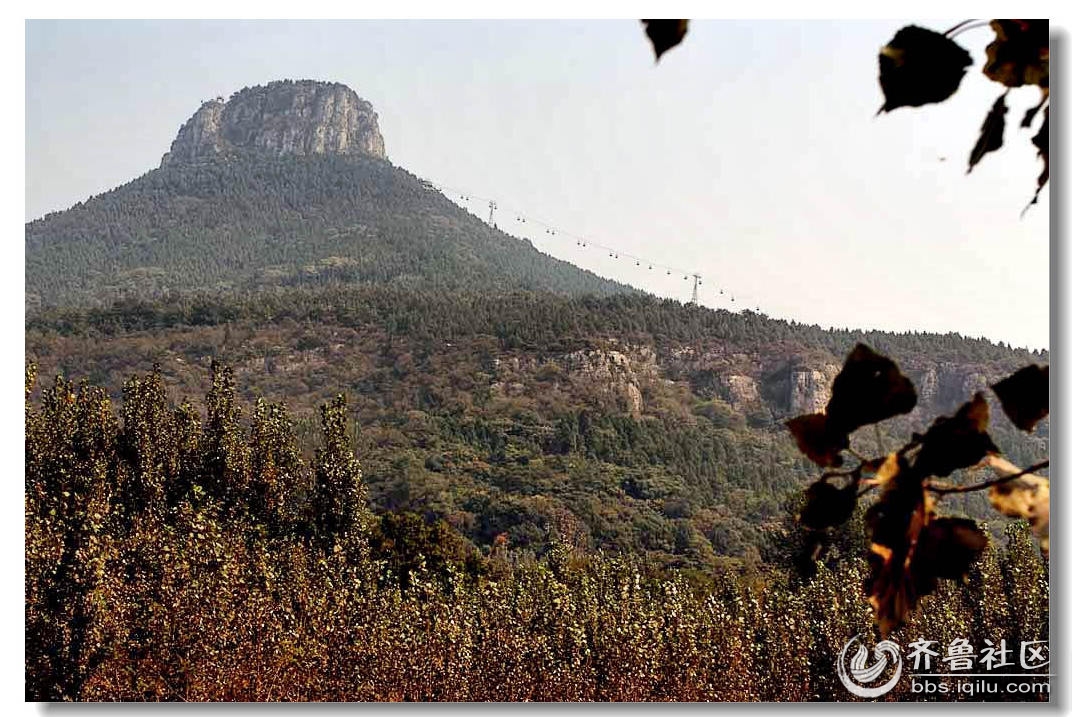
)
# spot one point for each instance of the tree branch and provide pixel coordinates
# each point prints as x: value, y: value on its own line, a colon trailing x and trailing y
x: 959, y: 25
x: 867, y: 490
x: 943, y: 489
x: 963, y: 26
x: 853, y: 473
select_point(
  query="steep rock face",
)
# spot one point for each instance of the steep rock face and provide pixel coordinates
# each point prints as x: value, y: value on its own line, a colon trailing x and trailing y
x: 796, y: 388
x: 619, y: 373
x: 740, y: 391
x: 944, y: 386
x: 809, y: 388
x: 785, y: 381
x: 283, y: 118
x: 622, y: 371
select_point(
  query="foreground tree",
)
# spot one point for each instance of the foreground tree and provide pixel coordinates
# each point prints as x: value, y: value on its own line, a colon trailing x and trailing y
x: 205, y: 600
x: 912, y: 546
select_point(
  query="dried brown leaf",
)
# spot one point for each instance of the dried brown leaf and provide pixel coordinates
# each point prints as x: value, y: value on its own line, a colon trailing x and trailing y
x: 807, y: 557
x: 870, y: 388
x: 991, y: 134
x: 1020, y: 53
x: 888, y: 470
x: 817, y: 440
x: 957, y: 441
x: 894, y: 524
x: 1029, y: 115
x: 1026, y: 497
x: 827, y: 505
x: 920, y: 66
x: 665, y: 34
x: 946, y: 548
x: 1042, y: 143
x: 1025, y: 396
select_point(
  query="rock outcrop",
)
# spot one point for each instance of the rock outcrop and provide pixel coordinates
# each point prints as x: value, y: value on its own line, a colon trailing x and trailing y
x: 945, y: 386
x: 784, y: 381
x: 283, y: 118
x: 619, y: 371
x: 739, y: 391
x: 809, y: 388
x: 618, y: 374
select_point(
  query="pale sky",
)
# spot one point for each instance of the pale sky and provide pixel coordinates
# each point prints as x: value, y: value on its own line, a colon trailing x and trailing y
x: 750, y: 154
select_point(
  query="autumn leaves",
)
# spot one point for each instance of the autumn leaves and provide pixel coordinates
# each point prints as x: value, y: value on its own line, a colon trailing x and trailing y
x: 912, y: 547
x: 920, y: 66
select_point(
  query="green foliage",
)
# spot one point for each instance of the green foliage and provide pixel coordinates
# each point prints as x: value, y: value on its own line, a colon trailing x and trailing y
x: 539, y: 532
x: 411, y: 548
x: 226, y: 454
x: 279, y: 485
x: 340, y: 505
x: 253, y: 222
x: 484, y: 411
x: 516, y: 319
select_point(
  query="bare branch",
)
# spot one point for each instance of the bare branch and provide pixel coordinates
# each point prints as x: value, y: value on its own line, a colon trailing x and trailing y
x: 944, y: 489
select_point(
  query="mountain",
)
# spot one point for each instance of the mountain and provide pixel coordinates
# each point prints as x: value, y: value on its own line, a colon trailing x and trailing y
x: 491, y: 386
x: 282, y: 185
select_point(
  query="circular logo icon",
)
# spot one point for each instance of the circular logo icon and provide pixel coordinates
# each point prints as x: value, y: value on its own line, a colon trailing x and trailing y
x: 858, y: 674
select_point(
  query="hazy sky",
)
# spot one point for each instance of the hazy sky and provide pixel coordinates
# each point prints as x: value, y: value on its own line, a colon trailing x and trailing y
x: 750, y: 154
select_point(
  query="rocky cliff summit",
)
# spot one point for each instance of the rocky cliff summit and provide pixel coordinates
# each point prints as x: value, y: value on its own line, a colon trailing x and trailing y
x: 287, y: 117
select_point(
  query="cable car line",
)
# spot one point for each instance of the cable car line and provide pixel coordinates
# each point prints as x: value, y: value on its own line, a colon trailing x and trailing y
x: 584, y: 242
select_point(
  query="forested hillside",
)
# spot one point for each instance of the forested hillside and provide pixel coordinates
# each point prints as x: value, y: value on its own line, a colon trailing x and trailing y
x: 651, y: 427
x: 253, y: 220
